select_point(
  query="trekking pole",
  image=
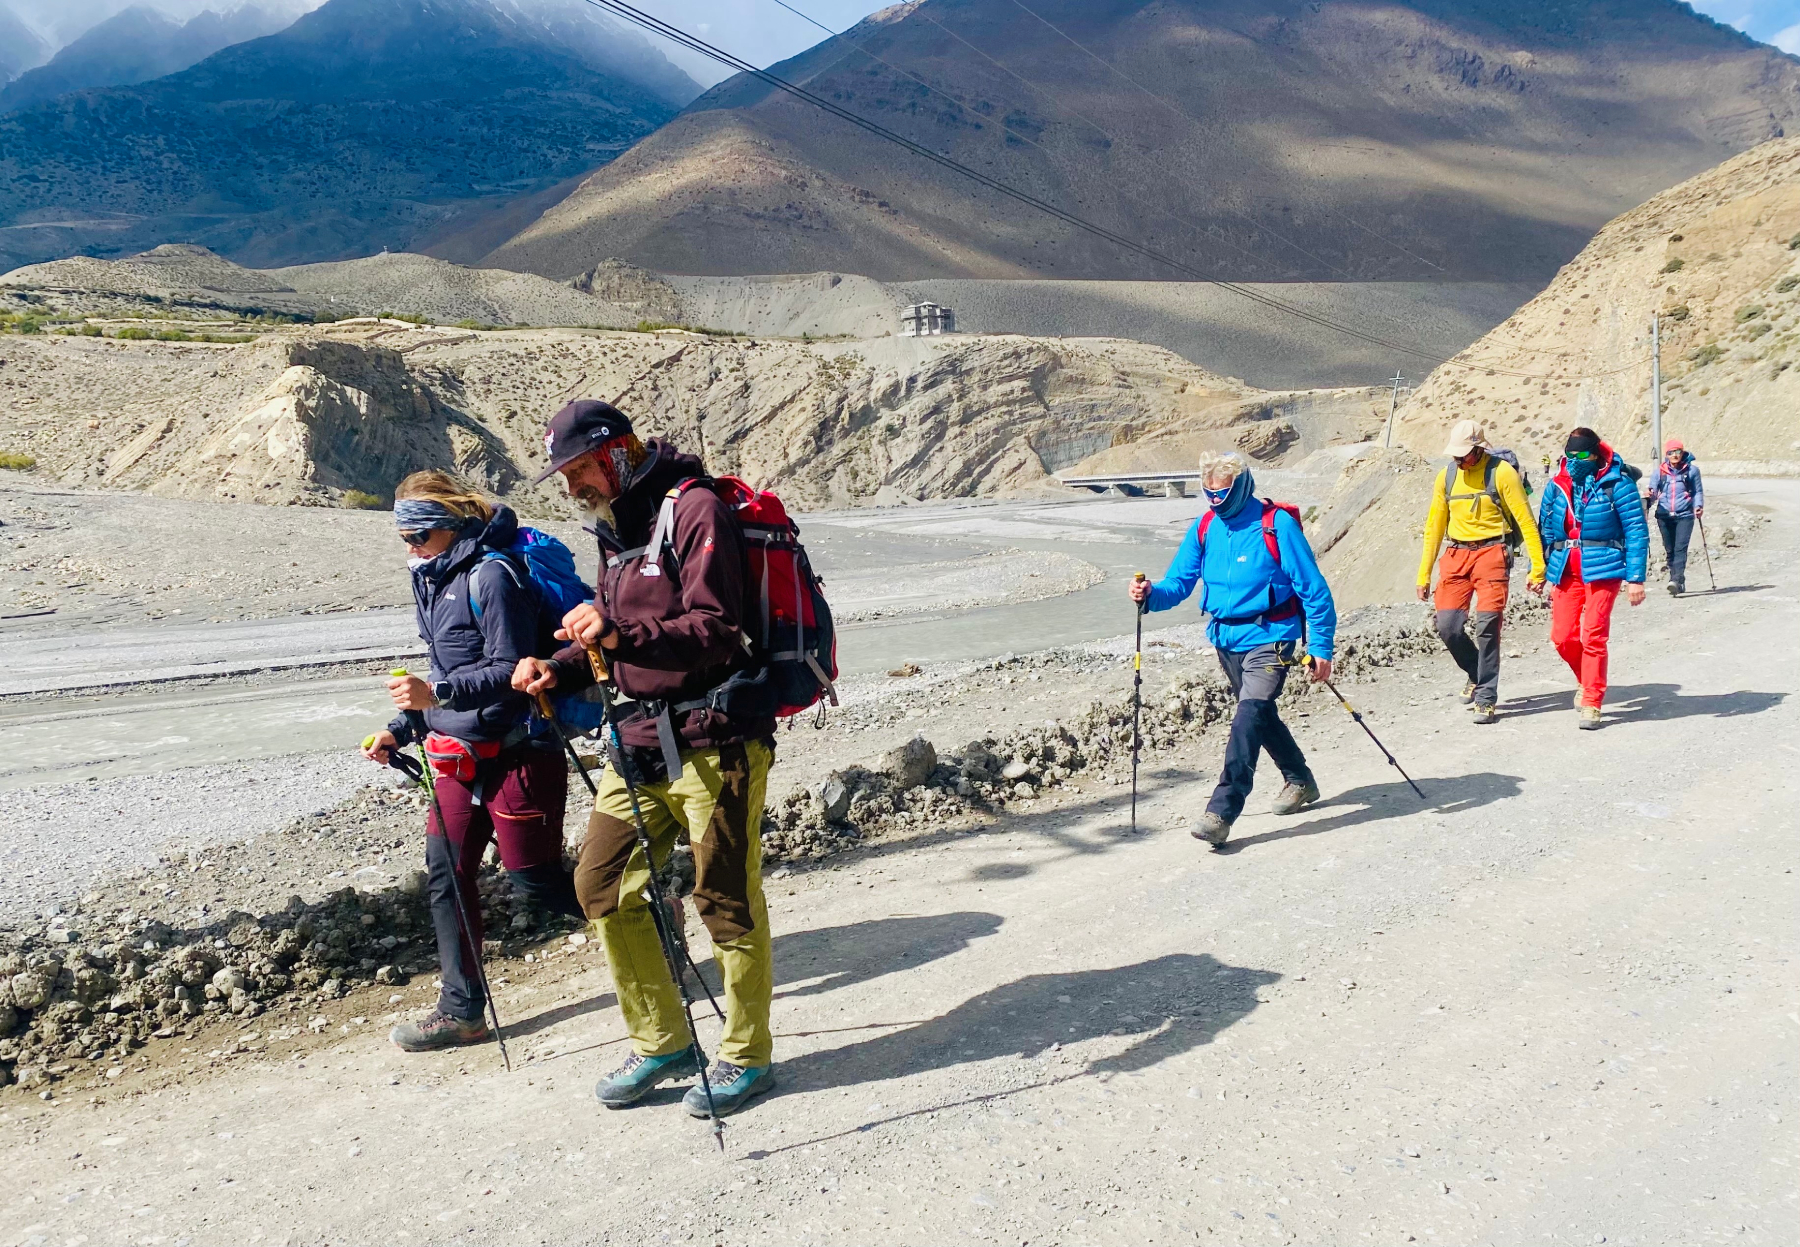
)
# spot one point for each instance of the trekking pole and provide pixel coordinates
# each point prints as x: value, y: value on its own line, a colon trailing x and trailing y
x: 1701, y: 525
x: 659, y: 915
x: 1357, y: 715
x: 549, y: 714
x: 419, y: 771
x: 1137, y: 702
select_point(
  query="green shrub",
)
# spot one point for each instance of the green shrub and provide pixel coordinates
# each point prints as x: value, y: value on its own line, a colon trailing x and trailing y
x: 473, y: 324
x: 1677, y: 313
x: 131, y: 333
x: 363, y: 501
x: 1706, y: 354
x: 17, y: 462
x: 1674, y: 266
x: 172, y: 335
x: 31, y: 325
x: 1750, y: 311
x: 1758, y: 329
x: 1786, y: 284
x: 1794, y: 243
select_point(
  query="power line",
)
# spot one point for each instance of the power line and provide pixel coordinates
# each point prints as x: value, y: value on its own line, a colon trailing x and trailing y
x: 675, y: 34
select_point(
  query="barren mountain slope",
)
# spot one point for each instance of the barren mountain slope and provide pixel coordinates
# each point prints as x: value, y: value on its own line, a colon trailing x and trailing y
x: 306, y: 415
x: 1718, y: 257
x: 367, y: 123
x: 1256, y: 139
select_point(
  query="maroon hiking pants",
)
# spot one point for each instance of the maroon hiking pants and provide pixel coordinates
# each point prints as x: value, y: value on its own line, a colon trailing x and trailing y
x: 516, y: 799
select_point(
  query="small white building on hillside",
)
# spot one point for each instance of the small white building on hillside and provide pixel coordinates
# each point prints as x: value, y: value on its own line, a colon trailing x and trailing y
x: 925, y: 319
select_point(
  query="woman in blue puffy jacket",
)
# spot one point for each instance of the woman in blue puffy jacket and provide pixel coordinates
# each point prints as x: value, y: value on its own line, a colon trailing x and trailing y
x: 479, y: 614
x: 1595, y: 540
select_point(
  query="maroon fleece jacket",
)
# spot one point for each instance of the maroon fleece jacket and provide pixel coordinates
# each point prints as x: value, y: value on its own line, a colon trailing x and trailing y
x: 679, y: 631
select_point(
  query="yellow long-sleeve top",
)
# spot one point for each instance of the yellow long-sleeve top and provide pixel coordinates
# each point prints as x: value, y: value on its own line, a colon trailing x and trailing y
x: 1472, y: 516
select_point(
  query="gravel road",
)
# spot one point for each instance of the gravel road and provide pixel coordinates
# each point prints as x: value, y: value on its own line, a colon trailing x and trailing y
x: 1551, y: 1003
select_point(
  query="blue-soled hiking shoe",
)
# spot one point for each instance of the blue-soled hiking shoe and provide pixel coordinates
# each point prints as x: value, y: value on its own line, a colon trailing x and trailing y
x: 733, y: 1086
x: 640, y: 1075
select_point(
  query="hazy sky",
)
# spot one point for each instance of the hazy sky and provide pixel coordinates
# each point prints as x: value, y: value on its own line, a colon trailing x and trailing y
x: 764, y: 32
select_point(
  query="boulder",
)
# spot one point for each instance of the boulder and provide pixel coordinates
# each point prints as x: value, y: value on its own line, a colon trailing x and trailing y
x: 834, y: 798
x: 912, y: 763
x: 1015, y: 770
x: 31, y: 989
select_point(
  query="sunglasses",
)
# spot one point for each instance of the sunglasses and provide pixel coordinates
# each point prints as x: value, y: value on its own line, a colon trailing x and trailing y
x: 418, y: 538
x: 1583, y: 455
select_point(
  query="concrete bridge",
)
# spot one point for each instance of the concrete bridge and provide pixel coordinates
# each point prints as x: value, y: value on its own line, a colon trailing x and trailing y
x: 1135, y: 484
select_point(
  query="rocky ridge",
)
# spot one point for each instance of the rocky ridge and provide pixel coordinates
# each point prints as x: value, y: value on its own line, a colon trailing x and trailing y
x: 310, y: 415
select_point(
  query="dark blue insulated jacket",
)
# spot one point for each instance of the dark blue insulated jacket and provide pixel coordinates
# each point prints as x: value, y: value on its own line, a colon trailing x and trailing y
x: 476, y: 651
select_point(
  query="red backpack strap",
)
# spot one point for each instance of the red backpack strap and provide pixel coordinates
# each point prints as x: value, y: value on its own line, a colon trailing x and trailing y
x: 1268, y: 527
x: 1204, y: 521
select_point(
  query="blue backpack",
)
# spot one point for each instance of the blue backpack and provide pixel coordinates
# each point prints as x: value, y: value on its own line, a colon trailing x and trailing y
x: 550, y: 569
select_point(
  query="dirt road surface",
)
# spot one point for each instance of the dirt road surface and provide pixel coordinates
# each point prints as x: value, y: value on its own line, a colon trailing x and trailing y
x: 1552, y: 1003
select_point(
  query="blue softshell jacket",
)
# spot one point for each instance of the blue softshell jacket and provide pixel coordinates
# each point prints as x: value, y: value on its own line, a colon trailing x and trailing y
x: 1615, y: 538
x: 476, y: 655
x: 1237, y: 573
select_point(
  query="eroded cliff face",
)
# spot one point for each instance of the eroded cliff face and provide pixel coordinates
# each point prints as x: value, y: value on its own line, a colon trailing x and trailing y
x: 306, y: 416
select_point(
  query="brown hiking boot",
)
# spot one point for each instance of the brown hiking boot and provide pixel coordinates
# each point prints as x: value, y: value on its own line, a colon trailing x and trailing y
x: 1212, y: 829
x: 1296, y: 797
x: 439, y: 1030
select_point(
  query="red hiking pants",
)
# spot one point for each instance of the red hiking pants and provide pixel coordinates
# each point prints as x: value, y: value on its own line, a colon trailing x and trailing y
x: 1580, y: 625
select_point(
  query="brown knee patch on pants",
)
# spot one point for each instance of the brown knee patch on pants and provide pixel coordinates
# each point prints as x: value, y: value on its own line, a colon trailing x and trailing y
x: 722, y: 854
x: 604, y: 854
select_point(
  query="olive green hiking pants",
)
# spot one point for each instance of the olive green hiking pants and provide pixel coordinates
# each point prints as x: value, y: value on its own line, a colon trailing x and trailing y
x: 718, y: 799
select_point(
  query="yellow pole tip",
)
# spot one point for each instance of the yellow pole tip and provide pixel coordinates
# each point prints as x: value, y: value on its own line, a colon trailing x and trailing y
x: 368, y: 741
x: 397, y: 672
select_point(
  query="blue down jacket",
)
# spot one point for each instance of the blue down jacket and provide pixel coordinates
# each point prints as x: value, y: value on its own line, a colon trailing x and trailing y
x: 1607, y: 512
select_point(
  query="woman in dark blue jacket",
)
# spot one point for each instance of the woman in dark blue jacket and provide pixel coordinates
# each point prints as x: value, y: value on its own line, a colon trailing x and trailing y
x: 479, y: 614
x: 1595, y: 539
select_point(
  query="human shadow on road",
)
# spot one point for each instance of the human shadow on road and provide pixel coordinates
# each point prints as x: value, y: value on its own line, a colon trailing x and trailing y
x: 1724, y: 589
x: 1162, y: 1007
x: 1642, y: 703
x: 835, y: 956
x: 1453, y: 795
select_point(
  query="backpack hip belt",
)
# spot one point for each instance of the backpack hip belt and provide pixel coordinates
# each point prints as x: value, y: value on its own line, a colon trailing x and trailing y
x: 1477, y: 545
x: 1287, y: 610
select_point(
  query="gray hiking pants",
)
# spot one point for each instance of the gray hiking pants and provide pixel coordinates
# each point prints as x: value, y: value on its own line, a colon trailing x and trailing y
x: 1257, y: 677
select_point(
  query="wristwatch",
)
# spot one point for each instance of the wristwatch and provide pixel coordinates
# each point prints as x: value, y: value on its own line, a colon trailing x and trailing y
x: 441, y: 692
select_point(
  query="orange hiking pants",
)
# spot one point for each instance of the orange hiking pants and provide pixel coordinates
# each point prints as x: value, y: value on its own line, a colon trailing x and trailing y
x: 1477, y: 577
x: 1580, y: 626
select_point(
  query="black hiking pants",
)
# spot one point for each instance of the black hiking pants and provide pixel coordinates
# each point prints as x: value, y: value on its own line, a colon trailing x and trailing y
x: 1675, y: 529
x: 1257, y: 677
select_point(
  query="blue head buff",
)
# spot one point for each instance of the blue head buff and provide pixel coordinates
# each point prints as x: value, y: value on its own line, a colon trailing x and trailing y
x: 1227, y: 501
x: 412, y: 514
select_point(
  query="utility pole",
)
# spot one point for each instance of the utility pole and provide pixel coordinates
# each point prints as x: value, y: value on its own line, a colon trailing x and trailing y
x: 1656, y: 386
x: 1387, y: 436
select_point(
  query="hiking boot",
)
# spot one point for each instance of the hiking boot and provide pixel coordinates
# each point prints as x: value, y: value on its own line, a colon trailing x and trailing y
x: 1590, y: 718
x: 1296, y: 797
x: 1212, y: 829
x: 439, y: 1030
x: 640, y: 1075
x: 733, y: 1086
x: 1468, y: 693
x: 1677, y: 588
x: 1483, y: 714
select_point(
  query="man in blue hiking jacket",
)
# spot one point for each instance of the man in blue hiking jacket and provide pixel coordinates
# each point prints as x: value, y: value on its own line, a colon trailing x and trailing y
x: 1266, y: 598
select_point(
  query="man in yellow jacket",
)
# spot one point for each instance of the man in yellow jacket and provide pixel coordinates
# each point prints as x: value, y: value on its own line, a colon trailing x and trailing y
x: 1474, y: 502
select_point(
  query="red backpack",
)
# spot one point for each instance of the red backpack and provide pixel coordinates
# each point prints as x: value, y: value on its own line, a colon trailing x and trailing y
x: 1291, y: 607
x: 789, y: 624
